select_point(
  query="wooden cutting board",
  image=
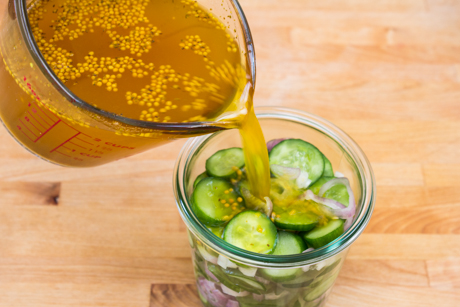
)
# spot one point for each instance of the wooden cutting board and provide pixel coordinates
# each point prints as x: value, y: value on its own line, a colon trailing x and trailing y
x: 387, y: 72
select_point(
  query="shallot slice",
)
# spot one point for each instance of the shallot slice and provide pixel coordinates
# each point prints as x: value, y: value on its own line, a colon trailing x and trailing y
x: 217, y: 298
x: 233, y: 293
x: 336, y: 208
x: 269, y: 208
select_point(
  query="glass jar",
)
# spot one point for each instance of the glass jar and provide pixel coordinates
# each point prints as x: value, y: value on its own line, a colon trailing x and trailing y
x: 228, y: 276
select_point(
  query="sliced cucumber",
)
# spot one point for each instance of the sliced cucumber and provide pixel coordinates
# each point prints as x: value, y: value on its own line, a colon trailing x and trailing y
x: 300, y: 215
x: 316, y: 290
x: 328, y: 171
x: 248, y: 284
x: 318, y: 184
x: 288, y: 244
x: 252, y: 231
x: 225, y: 163
x: 222, y: 277
x: 299, y: 154
x: 323, y: 235
x: 339, y: 193
x: 218, y: 231
x: 199, y: 178
x: 302, y: 280
x: 215, y: 201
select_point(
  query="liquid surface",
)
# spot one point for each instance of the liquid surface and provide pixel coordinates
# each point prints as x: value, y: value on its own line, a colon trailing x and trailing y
x: 158, y: 61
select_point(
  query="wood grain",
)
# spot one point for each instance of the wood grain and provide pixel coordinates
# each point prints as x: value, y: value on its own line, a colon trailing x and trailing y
x: 385, y: 71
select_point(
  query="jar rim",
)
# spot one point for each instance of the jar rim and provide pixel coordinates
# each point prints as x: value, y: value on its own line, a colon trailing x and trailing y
x: 366, y: 205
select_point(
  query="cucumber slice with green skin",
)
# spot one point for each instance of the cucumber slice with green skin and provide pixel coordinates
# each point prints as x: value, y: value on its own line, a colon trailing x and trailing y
x: 222, y: 277
x: 318, y: 184
x: 248, y: 284
x: 302, y: 280
x: 300, y: 215
x: 288, y: 244
x: 225, y: 163
x: 208, y: 201
x: 323, y: 235
x: 328, y: 171
x: 339, y: 193
x: 252, y: 231
x: 297, y: 153
x: 317, y: 290
x: 199, y: 178
x: 218, y: 231
x: 233, y: 279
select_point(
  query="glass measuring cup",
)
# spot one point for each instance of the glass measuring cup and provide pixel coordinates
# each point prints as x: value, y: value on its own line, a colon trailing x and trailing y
x: 47, y: 119
x: 313, y: 274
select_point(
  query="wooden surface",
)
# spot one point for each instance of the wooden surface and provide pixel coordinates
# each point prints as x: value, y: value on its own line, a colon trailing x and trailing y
x: 385, y: 71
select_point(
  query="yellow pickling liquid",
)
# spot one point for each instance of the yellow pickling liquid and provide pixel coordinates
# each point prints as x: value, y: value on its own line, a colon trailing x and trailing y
x: 150, y: 60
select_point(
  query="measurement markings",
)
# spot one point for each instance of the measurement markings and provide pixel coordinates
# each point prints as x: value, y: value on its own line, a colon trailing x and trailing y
x: 47, y: 130
x: 30, y: 122
x: 31, y: 115
x: 65, y: 141
x: 77, y: 144
x: 38, y: 114
x: 85, y: 141
x: 27, y: 135
x: 62, y: 154
x: 52, y: 120
x: 27, y: 128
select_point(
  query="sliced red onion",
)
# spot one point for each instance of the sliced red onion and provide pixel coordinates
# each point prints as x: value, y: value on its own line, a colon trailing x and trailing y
x: 336, y: 208
x: 251, y: 272
x: 258, y: 297
x: 349, y: 211
x: 273, y: 143
x: 209, y: 273
x: 233, y: 293
x: 269, y: 208
x: 308, y: 250
x: 348, y: 223
x: 330, y: 203
x: 339, y: 175
x: 206, y: 287
x: 232, y: 303
x: 290, y: 173
x: 217, y: 298
x: 303, y: 181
